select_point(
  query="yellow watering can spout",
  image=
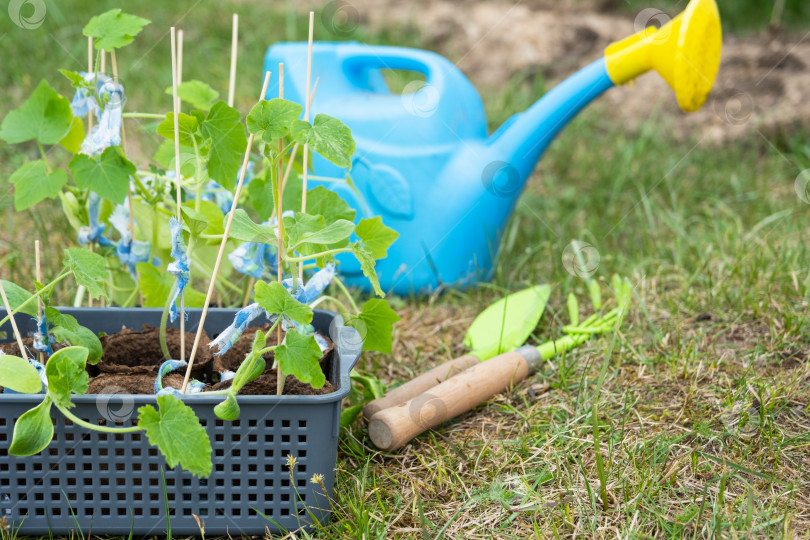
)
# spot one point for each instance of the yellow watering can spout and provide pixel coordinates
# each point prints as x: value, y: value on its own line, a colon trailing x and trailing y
x: 685, y: 52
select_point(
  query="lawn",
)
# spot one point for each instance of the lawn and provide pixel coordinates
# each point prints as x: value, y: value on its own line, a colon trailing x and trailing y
x: 699, y: 408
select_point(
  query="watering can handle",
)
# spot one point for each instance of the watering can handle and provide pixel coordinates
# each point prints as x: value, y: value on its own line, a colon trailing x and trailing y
x: 433, y: 66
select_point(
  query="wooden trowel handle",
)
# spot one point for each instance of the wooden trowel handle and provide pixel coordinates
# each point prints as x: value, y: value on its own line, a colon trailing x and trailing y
x: 420, y: 384
x: 392, y: 428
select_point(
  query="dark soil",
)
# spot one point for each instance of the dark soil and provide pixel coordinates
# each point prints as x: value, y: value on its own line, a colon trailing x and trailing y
x: 14, y: 350
x: 131, y: 360
x: 231, y: 360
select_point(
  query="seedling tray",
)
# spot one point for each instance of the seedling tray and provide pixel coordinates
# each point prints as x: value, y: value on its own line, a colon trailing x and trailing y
x: 119, y: 484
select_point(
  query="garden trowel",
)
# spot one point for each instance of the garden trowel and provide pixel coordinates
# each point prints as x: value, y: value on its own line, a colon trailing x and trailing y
x: 394, y: 426
x: 501, y: 327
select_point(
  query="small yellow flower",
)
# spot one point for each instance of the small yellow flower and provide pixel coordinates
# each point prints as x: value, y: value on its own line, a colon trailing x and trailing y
x: 317, y: 479
x: 290, y: 462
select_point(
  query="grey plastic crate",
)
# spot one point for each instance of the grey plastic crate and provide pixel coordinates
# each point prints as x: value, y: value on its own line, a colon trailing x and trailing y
x: 112, y: 483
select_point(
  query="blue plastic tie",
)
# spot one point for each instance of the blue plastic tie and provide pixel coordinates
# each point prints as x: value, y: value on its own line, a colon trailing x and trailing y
x: 194, y: 386
x: 83, y: 101
x: 231, y: 335
x: 249, y: 259
x: 107, y: 132
x: 130, y: 252
x: 179, y: 268
x: 314, y: 287
x: 43, y: 340
x: 215, y: 193
x: 94, y: 232
x: 254, y: 259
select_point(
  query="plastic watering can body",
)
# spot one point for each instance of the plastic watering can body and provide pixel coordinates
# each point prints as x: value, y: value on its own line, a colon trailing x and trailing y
x: 424, y: 161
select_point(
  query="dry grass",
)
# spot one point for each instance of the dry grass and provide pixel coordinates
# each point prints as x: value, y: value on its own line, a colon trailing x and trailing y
x: 712, y: 437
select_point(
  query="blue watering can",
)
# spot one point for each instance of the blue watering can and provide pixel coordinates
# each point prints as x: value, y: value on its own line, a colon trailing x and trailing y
x: 424, y: 160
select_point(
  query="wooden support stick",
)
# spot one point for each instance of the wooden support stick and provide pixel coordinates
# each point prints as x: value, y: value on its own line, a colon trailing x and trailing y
x: 232, y: 77
x: 13, y: 322
x: 225, y: 234
x: 176, y: 103
x: 103, y: 66
x: 280, y: 221
x: 179, y: 57
x: 295, y: 146
x: 39, y: 298
x: 306, y: 117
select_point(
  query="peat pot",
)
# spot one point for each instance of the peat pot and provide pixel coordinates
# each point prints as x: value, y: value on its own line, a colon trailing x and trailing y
x: 114, y: 484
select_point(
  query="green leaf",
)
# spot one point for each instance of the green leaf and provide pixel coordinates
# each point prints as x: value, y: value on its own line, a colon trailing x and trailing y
x: 114, y: 29
x: 19, y: 375
x: 334, y: 233
x: 327, y: 136
x: 187, y: 125
x: 349, y: 414
x: 67, y: 375
x: 212, y: 215
x: 376, y: 237
x: 107, y: 175
x: 228, y: 409
x: 33, y: 184
x: 274, y: 298
x: 299, y: 356
x: 17, y: 296
x: 224, y: 128
x: 80, y: 337
x: 76, y: 79
x: 367, y: 266
x: 177, y: 433
x: 327, y: 203
x: 253, y: 366
x: 596, y: 294
x: 44, y: 117
x: 373, y: 388
x: 33, y: 430
x: 157, y: 284
x: 573, y: 310
x: 69, y: 322
x: 188, y: 159
x: 243, y: 228
x: 272, y: 119
x: 301, y: 224
x: 198, y: 93
x: 375, y: 325
x: 193, y: 221
x: 72, y: 142
x: 260, y: 193
x: 89, y: 269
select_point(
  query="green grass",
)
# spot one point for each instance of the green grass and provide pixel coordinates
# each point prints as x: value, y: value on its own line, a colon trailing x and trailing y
x: 702, y: 407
